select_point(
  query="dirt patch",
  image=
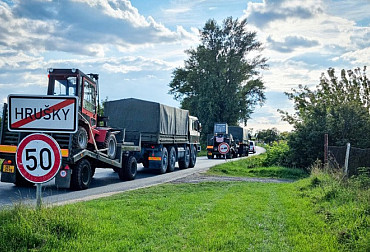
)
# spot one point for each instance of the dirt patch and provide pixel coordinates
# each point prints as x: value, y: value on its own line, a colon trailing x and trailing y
x: 201, y: 177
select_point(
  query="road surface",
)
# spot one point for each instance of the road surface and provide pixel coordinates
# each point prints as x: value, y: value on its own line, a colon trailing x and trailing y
x: 105, y: 183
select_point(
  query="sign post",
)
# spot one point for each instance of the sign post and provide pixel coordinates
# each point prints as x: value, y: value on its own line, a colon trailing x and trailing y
x: 223, y: 148
x: 38, y: 159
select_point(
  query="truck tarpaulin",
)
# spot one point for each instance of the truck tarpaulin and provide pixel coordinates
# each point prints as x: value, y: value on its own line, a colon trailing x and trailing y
x: 147, y: 117
x: 239, y: 134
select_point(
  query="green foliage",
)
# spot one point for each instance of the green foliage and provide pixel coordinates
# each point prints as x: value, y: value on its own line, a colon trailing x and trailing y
x: 277, y: 154
x: 220, y: 81
x: 268, y: 136
x: 342, y: 205
x: 266, y: 165
x: 338, y: 106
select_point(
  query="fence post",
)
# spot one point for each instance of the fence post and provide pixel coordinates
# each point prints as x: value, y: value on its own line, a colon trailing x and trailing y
x: 347, y: 159
x: 326, y: 149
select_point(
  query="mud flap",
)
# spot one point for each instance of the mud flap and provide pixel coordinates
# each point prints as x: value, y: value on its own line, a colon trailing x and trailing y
x: 63, y: 178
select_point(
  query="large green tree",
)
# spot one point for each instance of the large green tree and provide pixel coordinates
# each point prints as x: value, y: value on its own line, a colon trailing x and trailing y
x: 220, y: 80
x: 339, y: 106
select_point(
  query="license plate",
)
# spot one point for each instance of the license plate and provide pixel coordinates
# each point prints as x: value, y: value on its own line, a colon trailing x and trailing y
x: 8, y: 168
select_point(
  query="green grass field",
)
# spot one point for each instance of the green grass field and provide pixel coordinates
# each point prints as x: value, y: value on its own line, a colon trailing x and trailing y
x: 312, y: 214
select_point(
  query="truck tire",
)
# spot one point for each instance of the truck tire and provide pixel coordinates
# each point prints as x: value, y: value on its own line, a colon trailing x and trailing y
x: 193, y: 157
x: 80, y: 138
x: 210, y: 156
x: 129, y: 169
x: 81, y: 175
x: 171, y: 160
x: 164, y: 161
x: 110, y: 144
x: 184, y: 163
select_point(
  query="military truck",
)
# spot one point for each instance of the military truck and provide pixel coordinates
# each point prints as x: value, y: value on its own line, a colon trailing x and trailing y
x: 98, y: 144
x: 236, y: 137
x: 168, y: 134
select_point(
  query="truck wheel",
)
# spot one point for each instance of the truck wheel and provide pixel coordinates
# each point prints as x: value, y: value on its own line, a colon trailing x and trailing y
x: 164, y: 161
x: 171, y: 160
x: 210, y: 156
x: 81, y: 175
x: 93, y: 169
x: 184, y: 163
x: 193, y: 157
x: 80, y: 138
x: 110, y: 144
x: 129, y: 169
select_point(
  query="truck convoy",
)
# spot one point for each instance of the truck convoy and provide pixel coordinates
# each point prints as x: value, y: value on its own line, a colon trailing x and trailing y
x: 131, y: 131
x: 236, y: 137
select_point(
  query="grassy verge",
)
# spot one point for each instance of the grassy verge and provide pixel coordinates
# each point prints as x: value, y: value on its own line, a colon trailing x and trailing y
x: 202, y: 153
x: 254, y: 167
x: 313, y: 214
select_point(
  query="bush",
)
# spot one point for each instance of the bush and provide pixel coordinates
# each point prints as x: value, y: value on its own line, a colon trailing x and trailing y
x: 277, y: 154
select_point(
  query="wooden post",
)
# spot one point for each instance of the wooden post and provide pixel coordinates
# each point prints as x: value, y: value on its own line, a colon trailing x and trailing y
x: 326, y: 149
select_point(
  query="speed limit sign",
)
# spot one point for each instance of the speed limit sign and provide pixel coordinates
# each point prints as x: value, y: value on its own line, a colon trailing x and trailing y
x: 38, y: 158
x: 223, y: 148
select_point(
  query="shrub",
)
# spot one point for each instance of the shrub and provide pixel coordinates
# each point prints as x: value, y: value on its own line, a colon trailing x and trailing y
x: 277, y: 154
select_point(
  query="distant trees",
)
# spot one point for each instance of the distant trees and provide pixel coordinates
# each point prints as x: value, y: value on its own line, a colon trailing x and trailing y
x: 220, y: 81
x: 268, y: 135
x: 339, y: 106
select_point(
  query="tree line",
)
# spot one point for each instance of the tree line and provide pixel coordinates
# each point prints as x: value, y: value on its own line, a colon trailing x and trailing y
x: 220, y: 82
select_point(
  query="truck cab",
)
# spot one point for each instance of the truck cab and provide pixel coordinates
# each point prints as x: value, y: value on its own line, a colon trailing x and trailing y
x: 220, y: 135
x: 236, y: 137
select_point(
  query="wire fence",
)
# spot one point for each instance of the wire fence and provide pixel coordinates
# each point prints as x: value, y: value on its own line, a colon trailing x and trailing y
x: 357, y: 158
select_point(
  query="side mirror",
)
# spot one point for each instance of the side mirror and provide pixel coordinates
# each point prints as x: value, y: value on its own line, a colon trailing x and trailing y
x: 199, y: 126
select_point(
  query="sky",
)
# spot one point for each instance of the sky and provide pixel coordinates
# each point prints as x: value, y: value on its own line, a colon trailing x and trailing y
x: 136, y: 45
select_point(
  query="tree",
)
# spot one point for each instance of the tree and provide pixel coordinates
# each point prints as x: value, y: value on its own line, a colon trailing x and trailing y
x: 268, y: 136
x: 338, y: 106
x: 220, y: 81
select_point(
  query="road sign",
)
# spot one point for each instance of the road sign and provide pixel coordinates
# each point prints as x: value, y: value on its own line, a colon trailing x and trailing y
x: 38, y: 158
x: 223, y: 148
x: 45, y: 113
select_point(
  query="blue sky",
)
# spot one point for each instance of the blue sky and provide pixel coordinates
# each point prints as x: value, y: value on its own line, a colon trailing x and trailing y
x: 135, y: 45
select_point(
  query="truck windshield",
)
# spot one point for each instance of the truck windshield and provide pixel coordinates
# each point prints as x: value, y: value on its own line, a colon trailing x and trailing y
x: 65, y: 86
x: 220, y: 128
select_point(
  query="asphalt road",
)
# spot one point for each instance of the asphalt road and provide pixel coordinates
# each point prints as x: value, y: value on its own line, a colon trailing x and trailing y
x: 105, y: 183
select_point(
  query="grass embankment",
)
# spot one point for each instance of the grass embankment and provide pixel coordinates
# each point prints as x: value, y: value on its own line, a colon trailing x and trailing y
x: 254, y: 167
x: 313, y: 214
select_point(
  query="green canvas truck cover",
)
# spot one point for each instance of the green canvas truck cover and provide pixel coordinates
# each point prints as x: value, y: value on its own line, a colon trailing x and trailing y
x: 147, y: 117
x: 240, y: 134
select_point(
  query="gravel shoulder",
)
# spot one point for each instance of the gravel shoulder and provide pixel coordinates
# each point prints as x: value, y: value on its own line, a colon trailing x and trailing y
x: 202, y: 177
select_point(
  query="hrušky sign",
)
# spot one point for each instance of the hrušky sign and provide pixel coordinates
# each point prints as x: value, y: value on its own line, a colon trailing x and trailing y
x: 44, y: 113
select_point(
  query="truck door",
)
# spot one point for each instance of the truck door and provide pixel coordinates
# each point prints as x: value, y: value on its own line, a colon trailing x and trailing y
x: 88, y: 100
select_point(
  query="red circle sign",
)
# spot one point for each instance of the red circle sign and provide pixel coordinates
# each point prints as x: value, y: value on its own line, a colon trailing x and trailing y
x: 38, y: 158
x: 223, y: 148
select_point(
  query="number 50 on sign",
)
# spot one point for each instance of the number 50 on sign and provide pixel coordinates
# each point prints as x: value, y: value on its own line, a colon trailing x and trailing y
x: 38, y: 158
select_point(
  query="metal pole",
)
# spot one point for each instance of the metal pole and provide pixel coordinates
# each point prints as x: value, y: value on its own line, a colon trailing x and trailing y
x: 38, y: 196
x: 326, y: 144
x: 347, y: 159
